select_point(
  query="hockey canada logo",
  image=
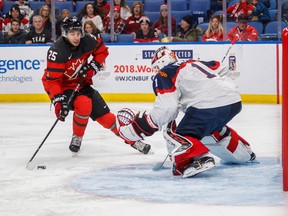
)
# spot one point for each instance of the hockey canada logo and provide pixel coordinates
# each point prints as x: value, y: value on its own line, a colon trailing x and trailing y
x: 73, y: 70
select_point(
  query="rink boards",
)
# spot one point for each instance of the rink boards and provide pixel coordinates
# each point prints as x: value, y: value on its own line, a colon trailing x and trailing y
x: 256, y: 68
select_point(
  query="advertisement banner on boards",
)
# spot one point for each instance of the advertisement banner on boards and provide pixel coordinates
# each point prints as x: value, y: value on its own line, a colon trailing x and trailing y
x: 128, y: 68
x: 21, y: 69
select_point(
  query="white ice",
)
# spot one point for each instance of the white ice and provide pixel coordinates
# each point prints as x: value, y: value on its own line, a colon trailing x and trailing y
x: 110, y: 178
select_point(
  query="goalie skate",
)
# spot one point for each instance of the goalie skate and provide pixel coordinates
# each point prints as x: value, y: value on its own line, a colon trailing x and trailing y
x: 141, y: 147
x: 198, y: 166
x: 75, y: 145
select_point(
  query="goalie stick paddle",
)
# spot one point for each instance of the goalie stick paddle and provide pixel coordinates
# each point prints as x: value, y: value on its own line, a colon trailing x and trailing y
x: 29, y: 166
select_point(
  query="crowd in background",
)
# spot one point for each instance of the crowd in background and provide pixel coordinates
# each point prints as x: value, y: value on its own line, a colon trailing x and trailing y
x: 23, y: 25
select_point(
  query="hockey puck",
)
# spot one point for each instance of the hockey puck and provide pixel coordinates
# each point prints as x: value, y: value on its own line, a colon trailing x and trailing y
x: 41, y: 167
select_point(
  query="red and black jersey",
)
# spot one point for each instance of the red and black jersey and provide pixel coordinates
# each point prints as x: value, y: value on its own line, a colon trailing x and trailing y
x: 64, y: 62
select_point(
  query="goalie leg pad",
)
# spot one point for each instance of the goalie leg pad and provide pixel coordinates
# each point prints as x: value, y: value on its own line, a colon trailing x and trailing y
x: 186, y: 154
x: 230, y: 149
x: 182, y: 149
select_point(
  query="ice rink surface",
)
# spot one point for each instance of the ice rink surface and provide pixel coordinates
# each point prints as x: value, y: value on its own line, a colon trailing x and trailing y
x: 111, y: 178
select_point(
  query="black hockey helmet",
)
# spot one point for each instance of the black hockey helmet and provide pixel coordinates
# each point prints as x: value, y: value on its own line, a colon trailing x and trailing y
x: 71, y: 23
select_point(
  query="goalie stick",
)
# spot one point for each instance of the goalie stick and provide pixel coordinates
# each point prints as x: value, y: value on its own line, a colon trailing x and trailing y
x: 230, y: 47
x: 160, y: 165
x: 171, y: 136
x: 29, y: 166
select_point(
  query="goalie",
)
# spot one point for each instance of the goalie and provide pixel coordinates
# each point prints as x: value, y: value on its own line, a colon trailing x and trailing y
x: 209, y: 100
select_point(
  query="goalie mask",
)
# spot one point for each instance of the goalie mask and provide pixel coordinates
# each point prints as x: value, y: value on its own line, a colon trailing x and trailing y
x: 162, y: 57
x: 71, y: 23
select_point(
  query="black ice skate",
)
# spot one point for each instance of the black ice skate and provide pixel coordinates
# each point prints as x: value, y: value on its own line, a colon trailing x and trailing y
x: 199, y: 165
x: 253, y: 157
x: 75, y: 144
x: 141, y: 147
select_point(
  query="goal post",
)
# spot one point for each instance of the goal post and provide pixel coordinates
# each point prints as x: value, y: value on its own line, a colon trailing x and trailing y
x: 285, y: 108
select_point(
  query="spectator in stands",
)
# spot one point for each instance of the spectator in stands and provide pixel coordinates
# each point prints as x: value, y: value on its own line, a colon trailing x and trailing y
x: 125, y: 10
x: 1, y: 23
x: 46, y: 2
x: 90, y: 28
x: 132, y: 23
x: 45, y: 13
x: 119, y: 23
x: 260, y: 12
x: 161, y: 25
x: 38, y: 35
x: 215, y: 29
x: 188, y: 30
x: 104, y: 6
x: 91, y: 12
x: 64, y: 13
x: 14, y: 35
x: 146, y: 33
x: 25, y: 8
x: 15, y: 14
x: 241, y: 7
x: 1, y: 4
x: 285, y: 11
x: 242, y: 32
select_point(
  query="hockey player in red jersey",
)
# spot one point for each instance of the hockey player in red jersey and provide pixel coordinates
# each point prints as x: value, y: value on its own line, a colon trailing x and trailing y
x: 209, y: 101
x: 67, y: 64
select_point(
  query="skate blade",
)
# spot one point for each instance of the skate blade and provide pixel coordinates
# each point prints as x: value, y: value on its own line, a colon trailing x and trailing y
x: 192, y: 171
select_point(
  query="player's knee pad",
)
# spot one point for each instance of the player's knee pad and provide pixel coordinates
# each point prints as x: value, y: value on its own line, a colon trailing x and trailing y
x: 230, y: 148
x: 83, y: 105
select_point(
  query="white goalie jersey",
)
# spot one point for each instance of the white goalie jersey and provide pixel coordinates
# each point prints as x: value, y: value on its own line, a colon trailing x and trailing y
x: 191, y: 83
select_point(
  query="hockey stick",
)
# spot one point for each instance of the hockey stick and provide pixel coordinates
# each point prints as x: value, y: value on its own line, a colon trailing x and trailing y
x: 230, y: 47
x: 181, y: 140
x: 160, y: 165
x: 29, y: 166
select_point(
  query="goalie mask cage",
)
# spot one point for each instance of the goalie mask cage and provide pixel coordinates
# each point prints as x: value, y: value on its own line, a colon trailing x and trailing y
x: 285, y: 108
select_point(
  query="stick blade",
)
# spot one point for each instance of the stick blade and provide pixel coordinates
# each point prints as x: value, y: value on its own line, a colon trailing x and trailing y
x: 30, y: 166
x: 159, y: 166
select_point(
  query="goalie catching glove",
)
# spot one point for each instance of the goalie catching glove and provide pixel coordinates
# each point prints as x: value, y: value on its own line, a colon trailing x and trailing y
x: 61, y: 106
x: 137, y: 128
x: 90, y: 69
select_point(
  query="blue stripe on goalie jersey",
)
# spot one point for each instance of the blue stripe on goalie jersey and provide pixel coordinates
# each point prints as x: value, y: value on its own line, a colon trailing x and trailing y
x: 163, y: 80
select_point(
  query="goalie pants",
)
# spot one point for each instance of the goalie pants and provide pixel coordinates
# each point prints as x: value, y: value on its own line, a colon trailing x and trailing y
x: 202, y: 122
x: 89, y: 103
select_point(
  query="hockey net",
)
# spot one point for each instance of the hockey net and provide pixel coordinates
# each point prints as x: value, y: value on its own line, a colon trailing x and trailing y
x: 285, y: 108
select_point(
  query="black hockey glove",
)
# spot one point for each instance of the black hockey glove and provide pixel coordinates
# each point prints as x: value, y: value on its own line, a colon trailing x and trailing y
x: 61, y: 106
x: 90, y: 69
